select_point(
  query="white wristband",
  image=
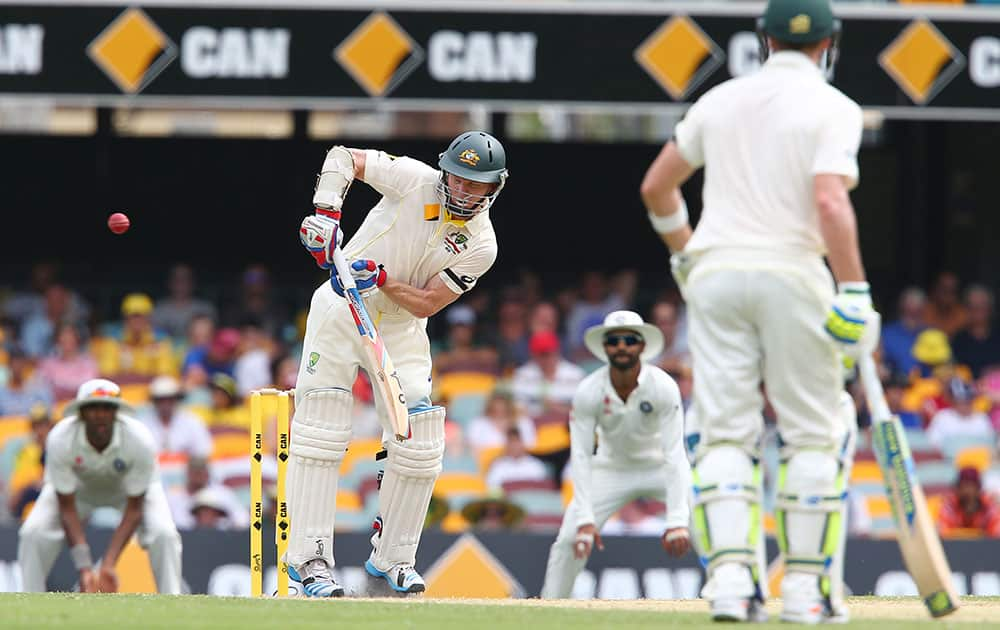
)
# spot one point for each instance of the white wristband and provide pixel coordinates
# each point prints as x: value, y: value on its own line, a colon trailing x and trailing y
x: 81, y: 556
x: 671, y: 222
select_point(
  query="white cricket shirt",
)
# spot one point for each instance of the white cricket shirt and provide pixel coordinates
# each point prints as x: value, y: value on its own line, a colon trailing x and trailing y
x: 645, y: 430
x: 761, y: 139
x: 409, y: 231
x: 126, y: 468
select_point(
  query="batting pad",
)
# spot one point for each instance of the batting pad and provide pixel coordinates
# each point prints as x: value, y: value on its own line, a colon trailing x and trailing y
x: 411, y: 469
x: 809, y: 511
x: 320, y: 432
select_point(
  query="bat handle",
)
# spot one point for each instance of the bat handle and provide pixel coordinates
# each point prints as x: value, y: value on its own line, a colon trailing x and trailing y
x: 873, y: 389
x: 343, y: 270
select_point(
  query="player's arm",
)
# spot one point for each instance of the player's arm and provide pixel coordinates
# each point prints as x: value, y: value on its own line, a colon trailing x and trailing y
x: 661, y: 194
x: 131, y: 518
x: 76, y: 538
x: 582, y: 425
x: 676, y: 538
x: 429, y: 300
x: 839, y: 227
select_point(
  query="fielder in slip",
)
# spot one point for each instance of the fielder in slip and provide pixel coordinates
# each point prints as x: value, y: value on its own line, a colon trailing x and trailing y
x: 634, y: 412
x: 427, y: 241
x: 99, y: 455
x: 781, y: 149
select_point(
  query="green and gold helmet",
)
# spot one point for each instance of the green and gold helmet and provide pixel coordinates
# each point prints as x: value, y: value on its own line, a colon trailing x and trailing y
x: 476, y: 156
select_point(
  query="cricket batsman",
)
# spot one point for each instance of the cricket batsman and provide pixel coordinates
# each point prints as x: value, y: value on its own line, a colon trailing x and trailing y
x: 99, y: 455
x: 427, y: 241
x: 633, y: 411
x: 780, y: 150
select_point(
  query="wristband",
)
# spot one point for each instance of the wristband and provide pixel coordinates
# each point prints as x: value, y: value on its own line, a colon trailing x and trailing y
x: 672, y: 222
x: 854, y: 287
x: 81, y: 556
x: 676, y: 534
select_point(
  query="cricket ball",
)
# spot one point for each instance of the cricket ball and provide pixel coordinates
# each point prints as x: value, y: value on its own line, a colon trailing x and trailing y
x: 118, y: 223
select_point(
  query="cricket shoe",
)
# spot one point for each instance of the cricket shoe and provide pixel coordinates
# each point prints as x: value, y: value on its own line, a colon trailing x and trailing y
x: 803, y: 602
x: 402, y: 577
x: 316, y: 579
x: 738, y: 609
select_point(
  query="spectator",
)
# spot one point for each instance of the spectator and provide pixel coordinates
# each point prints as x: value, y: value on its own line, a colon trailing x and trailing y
x: 515, y: 464
x: 895, y: 392
x: 201, y: 364
x: 969, y: 508
x: 70, y: 366
x: 173, y: 314
x: 461, y: 352
x: 199, y: 479
x: 257, y: 299
x: 225, y: 409
x: 200, y: 332
x: 38, y: 330
x: 959, y: 420
x: 944, y: 311
x: 977, y: 346
x: 27, y: 462
x: 494, y: 512
x: 512, y: 336
x: 595, y: 302
x: 174, y: 429
x: 252, y: 367
x: 899, y: 336
x: 544, y: 386
x: 500, y: 415
x: 23, y: 388
x: 23, y: 305
x: 544, y: 317
x: 137, y: 352
x: 675, y: 358
x: 284, y: 371
x: 211, y: 509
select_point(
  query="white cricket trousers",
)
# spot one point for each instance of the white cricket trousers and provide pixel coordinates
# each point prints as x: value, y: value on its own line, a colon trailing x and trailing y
x: 754, y: 317
x: 611, y: 488
x: 41, y: 538
x: 332, y: 350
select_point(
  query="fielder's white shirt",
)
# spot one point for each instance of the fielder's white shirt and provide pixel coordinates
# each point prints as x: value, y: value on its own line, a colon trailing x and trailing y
x: 644, y: 431
x: 409, y: 231
x: 126, y: 468
x: 762, y: 139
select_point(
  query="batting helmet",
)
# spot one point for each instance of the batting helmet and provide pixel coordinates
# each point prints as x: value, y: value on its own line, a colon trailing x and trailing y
x: 799, y: 22
x: 476, y: 156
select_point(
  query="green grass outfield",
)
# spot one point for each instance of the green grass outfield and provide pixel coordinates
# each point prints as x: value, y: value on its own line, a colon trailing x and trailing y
x: 114, y: 612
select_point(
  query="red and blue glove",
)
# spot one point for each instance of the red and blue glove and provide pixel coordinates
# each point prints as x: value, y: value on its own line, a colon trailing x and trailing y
x: 368, y: 276
x: 320, y: 235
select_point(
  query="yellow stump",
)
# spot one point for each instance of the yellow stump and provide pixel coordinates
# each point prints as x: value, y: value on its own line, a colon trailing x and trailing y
x: 256, y: 496
x: 281, y: 523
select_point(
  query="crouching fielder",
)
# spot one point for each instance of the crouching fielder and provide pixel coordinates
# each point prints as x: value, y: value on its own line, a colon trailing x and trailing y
x: 98, y: 456
x: 634, y: 411
x: 780, y: 148
x: 427, y: 241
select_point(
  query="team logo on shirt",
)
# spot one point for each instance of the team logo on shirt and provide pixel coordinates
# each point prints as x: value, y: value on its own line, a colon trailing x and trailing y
x: 646, y: 406
x: 469, y: 157
x: 313, y: 360
x: 679, y: 56
x: 456, y: 242
x: 119, y: 465
x: 78, y: 463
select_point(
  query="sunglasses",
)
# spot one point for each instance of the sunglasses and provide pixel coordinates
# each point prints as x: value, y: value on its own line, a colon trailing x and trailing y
x: 630, y: 340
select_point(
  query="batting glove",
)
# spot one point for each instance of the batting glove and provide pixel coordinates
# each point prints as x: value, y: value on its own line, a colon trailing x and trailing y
x: 853, y: 322
x: 368, y: 277
x: 321, y: 235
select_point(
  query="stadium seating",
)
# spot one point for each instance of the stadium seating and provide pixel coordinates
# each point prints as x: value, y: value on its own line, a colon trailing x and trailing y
x: 465, y: 407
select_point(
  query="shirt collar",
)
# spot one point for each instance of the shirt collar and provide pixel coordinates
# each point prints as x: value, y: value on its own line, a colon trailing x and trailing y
x: 474, y: 225
x: 792, y: 60
x: 644, y: 375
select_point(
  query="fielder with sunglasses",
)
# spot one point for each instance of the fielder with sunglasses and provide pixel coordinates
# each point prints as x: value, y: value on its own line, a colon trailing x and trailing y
x: 632, y: 412
x: 780, y: 149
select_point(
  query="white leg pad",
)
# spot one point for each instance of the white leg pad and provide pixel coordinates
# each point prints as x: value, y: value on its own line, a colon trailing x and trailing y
x: 321, y: 430
x: 727, y: 520
x: 411, y: 469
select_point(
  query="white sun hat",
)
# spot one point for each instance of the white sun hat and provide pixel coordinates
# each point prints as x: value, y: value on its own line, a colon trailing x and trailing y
x: 98, y: 390
x: 624, y: 320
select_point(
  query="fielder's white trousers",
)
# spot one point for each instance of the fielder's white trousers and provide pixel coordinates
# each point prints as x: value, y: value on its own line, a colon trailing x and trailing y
x: 332, y: 350
x: 41, y: 538
x: 611, y: 488
x: 756, y: 317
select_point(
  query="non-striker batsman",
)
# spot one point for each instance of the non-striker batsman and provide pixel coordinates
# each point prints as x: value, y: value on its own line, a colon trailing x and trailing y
x: 427, y: 241
x: 780, y: 147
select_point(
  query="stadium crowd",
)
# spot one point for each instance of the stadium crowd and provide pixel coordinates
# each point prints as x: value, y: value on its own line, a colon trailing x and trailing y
x: 507, y: 362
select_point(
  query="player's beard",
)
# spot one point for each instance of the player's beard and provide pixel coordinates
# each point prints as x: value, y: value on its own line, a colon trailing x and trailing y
x: 623, y: 361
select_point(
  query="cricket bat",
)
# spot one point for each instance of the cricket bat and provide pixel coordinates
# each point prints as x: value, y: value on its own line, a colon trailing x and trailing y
x: 385, y: 381
x: 918, y: 540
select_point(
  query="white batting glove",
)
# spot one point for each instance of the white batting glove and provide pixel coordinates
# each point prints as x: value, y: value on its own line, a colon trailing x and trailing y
x: 321, y: 235
x: 853, y: 322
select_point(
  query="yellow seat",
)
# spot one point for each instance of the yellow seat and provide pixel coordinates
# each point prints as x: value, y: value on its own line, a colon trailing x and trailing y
x: 454, y: 523
x: 459, y: 482
x: 866, y: 472
x: 235, y: 444
x: 486, y: 456
x: 348, y: 500
x: 567, y: 491
x: 878, y: 506
x: 451, y: 384
x: 135, y: 393
x: 12, y: 426
x: 551, y: 438
x: 359, y: 449
x: 978, y: 457
x: 934, y: 502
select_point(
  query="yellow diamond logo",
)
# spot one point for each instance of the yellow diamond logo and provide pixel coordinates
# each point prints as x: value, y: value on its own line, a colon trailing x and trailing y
x: 921, y: 61
x: 679, y: 56
x: 132, y: 50
x: 468, y: 569
x: 379, y: 54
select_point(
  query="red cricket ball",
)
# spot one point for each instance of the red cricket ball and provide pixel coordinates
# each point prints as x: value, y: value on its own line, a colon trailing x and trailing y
x: 118, y: 223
